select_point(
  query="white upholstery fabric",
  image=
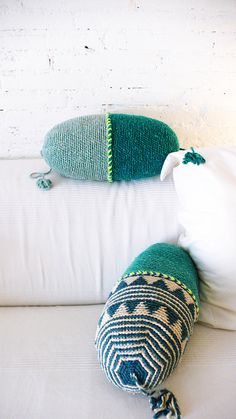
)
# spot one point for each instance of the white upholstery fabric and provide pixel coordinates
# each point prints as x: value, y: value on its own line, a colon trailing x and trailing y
x: 207, y: 213
x: 69, y: 245
x: 49, y: 369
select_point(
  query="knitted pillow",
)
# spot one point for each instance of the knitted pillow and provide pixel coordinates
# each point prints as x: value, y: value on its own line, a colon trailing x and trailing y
x: 147, y: 321
x: 109, y: 147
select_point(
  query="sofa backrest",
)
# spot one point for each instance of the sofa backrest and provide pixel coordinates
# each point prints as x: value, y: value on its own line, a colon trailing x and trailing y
x: 68, y: 245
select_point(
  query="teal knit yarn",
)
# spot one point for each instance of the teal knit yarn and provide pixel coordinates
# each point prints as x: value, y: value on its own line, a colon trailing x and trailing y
x: 109, y: 147
x: 77, y: 148
x: 168, y: 259
x: 140, y: 146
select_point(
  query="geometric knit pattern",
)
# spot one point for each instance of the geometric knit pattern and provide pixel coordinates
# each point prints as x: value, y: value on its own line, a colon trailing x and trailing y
x: 143, y: 330
x: 171, y: 259
x: 109, y: 147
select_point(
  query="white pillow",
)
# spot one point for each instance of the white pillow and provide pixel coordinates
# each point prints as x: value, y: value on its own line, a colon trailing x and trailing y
x: 207, y: 214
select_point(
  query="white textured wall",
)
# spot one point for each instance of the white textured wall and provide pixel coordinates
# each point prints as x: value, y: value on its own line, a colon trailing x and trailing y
x: 174, y: 60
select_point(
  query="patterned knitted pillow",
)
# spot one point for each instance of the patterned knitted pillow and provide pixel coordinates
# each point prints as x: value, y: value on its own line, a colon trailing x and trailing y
x: 147, y: 321
x: 108, y: 147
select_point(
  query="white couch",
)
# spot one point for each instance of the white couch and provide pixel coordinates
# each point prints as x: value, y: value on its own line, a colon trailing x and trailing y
x: 61, y: 251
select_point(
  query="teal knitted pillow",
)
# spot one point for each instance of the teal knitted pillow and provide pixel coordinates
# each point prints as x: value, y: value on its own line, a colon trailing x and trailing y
x: 109, y: 147
x: 147, y: 322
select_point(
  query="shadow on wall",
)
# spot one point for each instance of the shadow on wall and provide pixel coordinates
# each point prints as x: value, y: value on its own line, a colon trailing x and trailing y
x: 192, y: 129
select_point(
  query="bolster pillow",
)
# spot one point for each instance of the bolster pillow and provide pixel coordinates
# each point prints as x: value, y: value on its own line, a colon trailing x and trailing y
x: 148, y: 320
x: 109, y: 147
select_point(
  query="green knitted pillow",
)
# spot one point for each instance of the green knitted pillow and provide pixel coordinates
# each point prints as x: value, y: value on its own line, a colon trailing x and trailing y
x: 147, y: 322
x: 109, y: 147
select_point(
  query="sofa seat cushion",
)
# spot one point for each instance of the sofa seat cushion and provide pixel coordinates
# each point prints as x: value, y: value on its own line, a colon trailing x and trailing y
x: 49, y: 369
x: 68, y: 245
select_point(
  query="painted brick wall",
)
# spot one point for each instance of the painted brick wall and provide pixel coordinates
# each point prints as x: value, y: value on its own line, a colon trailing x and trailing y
x: 174, y: 60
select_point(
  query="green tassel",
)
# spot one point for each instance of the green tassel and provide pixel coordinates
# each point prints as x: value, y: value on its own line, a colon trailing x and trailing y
x: 42, y: 183
x: 193, y: 157
x: 165, y: 405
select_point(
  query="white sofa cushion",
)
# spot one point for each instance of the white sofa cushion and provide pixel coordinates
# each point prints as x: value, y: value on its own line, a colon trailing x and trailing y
x: 49, y: 369
x: 69, y: 244
x: 207, y: 213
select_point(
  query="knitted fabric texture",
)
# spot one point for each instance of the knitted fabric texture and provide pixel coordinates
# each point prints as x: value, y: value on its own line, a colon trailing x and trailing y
x: 77, y: 148
x: 148, y: 319
x: 168, y: 255
x: 140, y: 146
x: 109, y: 147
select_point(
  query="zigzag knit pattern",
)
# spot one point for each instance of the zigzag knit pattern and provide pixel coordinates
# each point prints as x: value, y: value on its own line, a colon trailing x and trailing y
x: 144, y: 329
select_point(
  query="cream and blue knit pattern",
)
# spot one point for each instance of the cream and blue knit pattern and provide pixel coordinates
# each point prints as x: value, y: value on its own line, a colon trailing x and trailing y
x: 144, y: 329
x: 147, y: 322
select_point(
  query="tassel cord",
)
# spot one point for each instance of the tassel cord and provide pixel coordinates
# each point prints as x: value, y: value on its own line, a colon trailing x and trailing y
x: 37, y: 175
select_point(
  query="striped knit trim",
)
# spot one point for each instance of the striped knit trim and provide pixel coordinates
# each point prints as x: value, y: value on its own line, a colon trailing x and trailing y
x: 109, y: 147
x: 171, y: 278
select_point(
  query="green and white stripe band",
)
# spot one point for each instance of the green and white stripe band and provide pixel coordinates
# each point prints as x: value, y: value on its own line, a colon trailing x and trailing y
x: 109, y: 147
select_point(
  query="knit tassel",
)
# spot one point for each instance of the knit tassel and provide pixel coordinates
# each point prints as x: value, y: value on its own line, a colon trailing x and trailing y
x: 42, y: 183
x: 193, y: 157
x: 165, y: 405
x: 162, y: 404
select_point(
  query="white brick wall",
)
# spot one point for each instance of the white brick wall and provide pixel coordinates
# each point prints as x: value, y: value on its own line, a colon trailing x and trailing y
x: 174, y: 60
